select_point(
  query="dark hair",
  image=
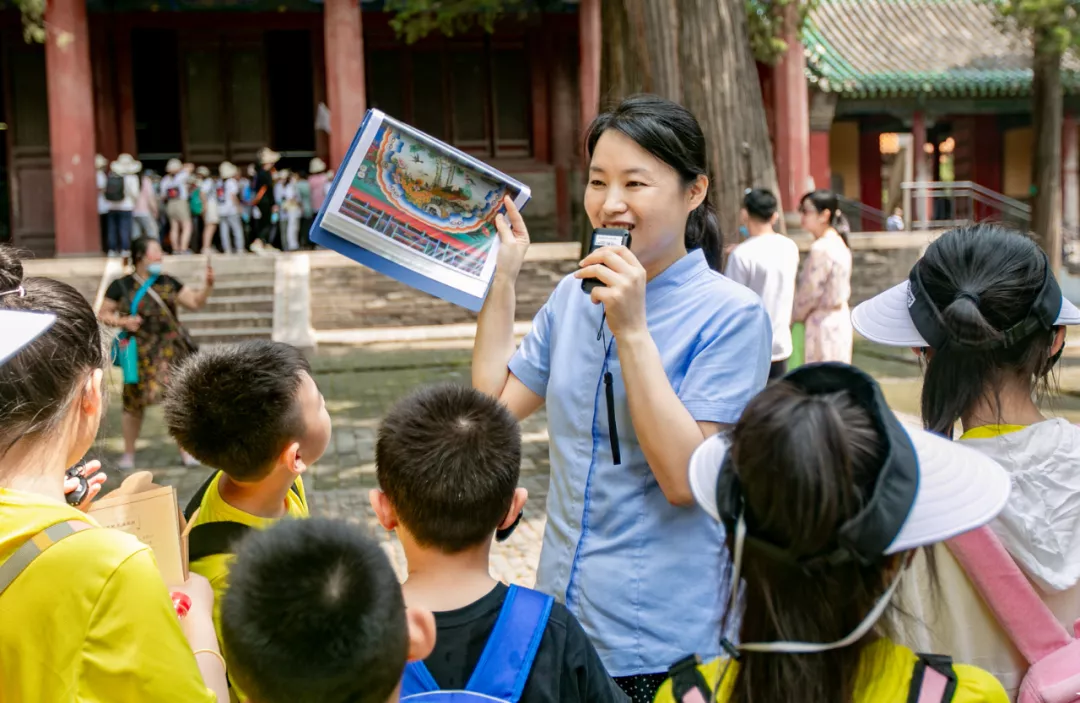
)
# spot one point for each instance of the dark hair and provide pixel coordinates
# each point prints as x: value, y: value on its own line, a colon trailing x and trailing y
x: 1004, y: 272
x: 314, y: 614
x: 235, y: 407
x: 672, y: 134
x: 760, y: 204
x: 38, y: 383
x: 806, y: 464
x: 823, y: 200
x: 448, y: 458
x: 139, y: 247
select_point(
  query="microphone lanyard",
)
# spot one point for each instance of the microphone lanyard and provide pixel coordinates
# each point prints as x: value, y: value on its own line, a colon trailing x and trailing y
x: 609, y: 394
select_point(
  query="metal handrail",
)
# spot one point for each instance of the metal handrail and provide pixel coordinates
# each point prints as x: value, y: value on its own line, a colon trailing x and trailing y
x: 847, y: 205
x: 989, y: 195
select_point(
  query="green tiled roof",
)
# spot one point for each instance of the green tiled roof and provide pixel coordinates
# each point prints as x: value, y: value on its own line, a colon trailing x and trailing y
x: 933, y: 48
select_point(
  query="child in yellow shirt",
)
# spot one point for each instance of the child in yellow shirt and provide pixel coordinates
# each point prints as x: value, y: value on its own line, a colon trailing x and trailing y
x: 253, y: 412
x: 84, y: 613
x: 824, y: 497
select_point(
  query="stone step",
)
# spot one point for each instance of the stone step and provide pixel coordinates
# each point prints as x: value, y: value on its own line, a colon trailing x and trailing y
x: 225, y: 335
x: 227, y: 320
x: 226, y: 289
x: 239, y: 303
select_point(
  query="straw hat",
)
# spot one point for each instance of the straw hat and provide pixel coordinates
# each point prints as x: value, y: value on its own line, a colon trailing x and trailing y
x: 317, y: 166
x: 202, y: 172
x: 126, y: 165
x: 268, y: 157
x: 227, y: 170
x: 100, y: 162
x: 173, y: 166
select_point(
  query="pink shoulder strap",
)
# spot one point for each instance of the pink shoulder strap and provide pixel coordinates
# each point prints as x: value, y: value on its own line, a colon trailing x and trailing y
x: 933, y: 686
x: 1006, y: 590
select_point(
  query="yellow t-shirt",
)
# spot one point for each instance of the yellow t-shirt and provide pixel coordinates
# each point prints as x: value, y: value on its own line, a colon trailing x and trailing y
x: 990, y: 431
x: 90, y: 618
x: 215, y: 567
x: 889, y: 683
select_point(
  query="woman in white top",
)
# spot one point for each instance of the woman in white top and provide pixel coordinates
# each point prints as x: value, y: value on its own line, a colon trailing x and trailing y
x: 986, y: 315
x: 210, y: 214
x: 174, y: 192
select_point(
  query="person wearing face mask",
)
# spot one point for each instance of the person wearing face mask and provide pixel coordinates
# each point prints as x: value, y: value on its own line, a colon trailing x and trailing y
x: 144, y: 305
x: 635, y: 375
x: 85, y: 613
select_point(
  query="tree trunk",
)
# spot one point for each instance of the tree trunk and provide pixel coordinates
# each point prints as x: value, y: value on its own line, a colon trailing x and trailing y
x: 1046, y: 166
x: 697, y: 53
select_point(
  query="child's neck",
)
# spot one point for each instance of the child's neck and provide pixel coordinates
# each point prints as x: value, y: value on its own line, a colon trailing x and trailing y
x: 1011, y: 405
x: 264, y: 499
x: 440, y: 582
x: 756, y: 229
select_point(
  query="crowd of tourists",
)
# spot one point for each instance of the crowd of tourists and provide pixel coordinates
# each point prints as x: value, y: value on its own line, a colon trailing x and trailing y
x: 718, y: 529
x: 221, y: 208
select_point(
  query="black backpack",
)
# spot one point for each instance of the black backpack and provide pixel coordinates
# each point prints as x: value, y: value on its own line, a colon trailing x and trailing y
x: 210, y: 538
x: 114, y: 188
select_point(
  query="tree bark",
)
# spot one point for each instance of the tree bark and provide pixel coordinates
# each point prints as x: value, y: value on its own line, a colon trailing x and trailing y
x: 1046, y: 166
x: 697, y: 53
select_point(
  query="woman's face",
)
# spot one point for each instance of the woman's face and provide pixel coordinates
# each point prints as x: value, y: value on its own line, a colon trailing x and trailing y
x: 814, y: 222
x: 153, y: 253
x: 629, y: 188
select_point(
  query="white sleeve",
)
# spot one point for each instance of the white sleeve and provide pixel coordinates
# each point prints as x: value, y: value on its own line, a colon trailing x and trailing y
x: 736, y: 269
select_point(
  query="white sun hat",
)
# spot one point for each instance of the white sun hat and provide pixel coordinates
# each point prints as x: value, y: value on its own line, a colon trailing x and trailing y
x: 126, y: 165
x: 19, y: 327
x: 905, y: 315
x: 932, y: 491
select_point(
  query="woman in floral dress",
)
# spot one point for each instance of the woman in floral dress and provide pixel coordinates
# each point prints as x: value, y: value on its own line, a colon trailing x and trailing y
x: 821, y: 298
x: 160, y: 342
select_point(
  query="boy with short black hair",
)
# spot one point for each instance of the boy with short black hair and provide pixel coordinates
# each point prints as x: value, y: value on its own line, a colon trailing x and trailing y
x: 251, y: 411
x: 447, y: 461
x: 767, y: 263
x: 314, y: 614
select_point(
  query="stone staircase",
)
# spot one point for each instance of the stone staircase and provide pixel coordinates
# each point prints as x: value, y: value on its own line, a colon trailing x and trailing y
x: 242, y: 304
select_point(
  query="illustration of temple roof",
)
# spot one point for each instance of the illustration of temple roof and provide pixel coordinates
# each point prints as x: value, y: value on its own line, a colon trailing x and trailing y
x: 931, y: 48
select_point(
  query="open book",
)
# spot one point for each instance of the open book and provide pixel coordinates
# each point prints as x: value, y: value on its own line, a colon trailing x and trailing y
x: 418, y: 210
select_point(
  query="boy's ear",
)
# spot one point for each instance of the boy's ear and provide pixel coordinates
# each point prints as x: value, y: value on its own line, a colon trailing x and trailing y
x: 292, y: 460
x: 517, y: 504
x: 421, y: 633
x: 383, y: 510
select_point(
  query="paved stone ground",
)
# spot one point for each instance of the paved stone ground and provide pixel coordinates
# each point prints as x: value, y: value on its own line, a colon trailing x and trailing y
x: 360, y: 385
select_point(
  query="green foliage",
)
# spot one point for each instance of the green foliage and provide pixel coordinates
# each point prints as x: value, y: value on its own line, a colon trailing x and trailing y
x: 415, y: 19
x: 766, y: 23
x: 33, y: 18
x: 1053, y: 24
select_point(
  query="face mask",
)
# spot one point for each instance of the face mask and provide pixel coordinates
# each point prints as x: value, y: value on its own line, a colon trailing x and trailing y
x: 743, y: 232
x: 154, y: 269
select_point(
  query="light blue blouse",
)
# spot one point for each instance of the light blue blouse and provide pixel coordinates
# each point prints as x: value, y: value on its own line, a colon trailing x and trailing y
x: 647, y: 579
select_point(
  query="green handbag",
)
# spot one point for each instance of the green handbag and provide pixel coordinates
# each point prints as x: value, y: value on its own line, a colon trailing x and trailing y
x: 125, y: 351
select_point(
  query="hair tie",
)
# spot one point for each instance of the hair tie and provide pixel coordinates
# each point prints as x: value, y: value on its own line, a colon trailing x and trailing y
x: 969, y: 296
x: 20, y: 291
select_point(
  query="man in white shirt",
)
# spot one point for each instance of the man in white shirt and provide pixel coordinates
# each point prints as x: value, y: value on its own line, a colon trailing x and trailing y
x: 121, y: 192
x: 767, y: 263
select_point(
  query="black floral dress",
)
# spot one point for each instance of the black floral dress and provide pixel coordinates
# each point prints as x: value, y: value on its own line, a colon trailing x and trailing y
x: 159, y: 343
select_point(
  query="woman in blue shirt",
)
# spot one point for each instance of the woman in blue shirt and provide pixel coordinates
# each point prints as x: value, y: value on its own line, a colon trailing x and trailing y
x: 635, y: 376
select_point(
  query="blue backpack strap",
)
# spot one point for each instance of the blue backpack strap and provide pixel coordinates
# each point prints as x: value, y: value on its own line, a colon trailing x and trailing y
x: 511, y: 648
x: 417, y: 679
x: 141, y: 293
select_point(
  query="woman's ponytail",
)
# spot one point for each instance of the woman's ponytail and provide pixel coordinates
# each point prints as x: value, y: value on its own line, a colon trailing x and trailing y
x: 703, y: 232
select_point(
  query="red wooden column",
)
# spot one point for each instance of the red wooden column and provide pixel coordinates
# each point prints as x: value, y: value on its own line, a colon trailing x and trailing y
x: 344, y: 75
x: 71, y: 127
x: 870, y: 181
x: 589, y: 38
x: 1070, y: 172
x: 791, y: 99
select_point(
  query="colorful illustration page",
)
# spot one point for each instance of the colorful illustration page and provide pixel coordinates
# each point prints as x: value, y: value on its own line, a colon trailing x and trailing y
x: 421, y: 204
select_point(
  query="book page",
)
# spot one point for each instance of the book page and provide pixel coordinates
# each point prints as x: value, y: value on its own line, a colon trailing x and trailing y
x: 152, y: 517
x: 421, y: 204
